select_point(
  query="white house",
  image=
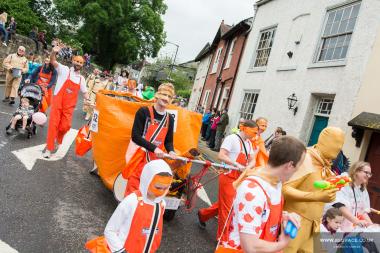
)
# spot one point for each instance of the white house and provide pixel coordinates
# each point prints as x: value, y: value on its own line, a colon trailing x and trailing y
x: 326, y: 53
x: 315, y: 49
x: 204, y: 58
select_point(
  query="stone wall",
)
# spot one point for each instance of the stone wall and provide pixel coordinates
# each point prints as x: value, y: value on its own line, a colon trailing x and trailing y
x: 18, y: 40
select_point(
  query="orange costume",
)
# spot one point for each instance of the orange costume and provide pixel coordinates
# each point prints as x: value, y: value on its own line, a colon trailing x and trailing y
x: 136, y: 224
x: 62, y: 109
x: 227, y: 192
x: 43, y: 81
x: 156, y: 134
x: 268, y: 229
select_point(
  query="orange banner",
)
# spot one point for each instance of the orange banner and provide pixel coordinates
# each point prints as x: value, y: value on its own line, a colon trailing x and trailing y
x: 115, y: 121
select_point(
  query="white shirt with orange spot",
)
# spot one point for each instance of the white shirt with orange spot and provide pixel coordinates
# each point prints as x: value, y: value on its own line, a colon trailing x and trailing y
x: 251, y: 210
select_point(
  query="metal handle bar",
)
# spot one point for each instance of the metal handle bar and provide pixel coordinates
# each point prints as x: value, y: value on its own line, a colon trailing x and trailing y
x: 188, y: 160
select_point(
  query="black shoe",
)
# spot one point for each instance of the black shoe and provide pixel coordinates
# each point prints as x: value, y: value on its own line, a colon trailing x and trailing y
x: 5, y: 100
x: 12, y: 102
x: 201, y: 224
x: 215, y: 150
x: 10, y: 130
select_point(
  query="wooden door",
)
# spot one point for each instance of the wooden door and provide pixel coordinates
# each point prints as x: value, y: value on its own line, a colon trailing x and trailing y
x: 373, y: 157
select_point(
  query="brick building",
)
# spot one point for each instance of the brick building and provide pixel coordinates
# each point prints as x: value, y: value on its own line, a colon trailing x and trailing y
x: 226, y: 50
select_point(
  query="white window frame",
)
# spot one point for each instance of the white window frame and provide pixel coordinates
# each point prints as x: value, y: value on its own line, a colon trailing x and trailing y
x: 259, y: 50
x: 206, y: 98
x: 343, y: 37
x: 247, y: 110
x: 216, y: 97
x: 216, y: 60
x: 230, y: 53
x: 226, y: 93
x: 322, y: 108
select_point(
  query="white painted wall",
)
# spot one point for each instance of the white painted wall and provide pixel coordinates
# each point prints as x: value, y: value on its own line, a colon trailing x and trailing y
x: 199, y: 81
x: 303, y: 20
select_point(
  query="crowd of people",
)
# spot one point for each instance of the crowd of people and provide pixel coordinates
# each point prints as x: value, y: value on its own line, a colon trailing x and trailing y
x: 270, y: 186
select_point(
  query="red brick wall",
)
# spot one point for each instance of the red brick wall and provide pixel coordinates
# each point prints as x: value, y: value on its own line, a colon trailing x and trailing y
x: 227, y: 75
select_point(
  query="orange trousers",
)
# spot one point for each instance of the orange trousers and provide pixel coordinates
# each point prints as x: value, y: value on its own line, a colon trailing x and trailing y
x: 59, y: 125
x: 134, y: 179
x: 222, y: 207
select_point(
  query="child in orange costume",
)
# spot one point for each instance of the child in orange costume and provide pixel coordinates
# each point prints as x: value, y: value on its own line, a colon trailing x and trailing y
x: 136, y: 224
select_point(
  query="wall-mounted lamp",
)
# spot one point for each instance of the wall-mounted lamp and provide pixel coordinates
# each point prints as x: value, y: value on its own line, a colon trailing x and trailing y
x: 290, y: 54
x: 292, y: 103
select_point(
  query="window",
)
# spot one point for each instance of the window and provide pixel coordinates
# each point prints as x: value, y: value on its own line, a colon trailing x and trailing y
x: 216, y: 98
x: 325, y: 106
x: 264, y: 47
x: 249, y: 104
x: 205, y: 98
x: 337, y: 32
x: 230, y: 53
x: 216, y: 61
x: 226, y: 93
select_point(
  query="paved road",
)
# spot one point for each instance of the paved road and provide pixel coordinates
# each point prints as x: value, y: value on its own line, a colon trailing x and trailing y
x: 57, y: 206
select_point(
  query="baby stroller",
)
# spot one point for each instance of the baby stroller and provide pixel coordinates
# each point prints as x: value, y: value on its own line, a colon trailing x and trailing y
x: 34, y: 93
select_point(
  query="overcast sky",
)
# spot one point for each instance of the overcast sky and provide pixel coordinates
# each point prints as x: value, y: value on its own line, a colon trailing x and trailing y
x: 191, y: 24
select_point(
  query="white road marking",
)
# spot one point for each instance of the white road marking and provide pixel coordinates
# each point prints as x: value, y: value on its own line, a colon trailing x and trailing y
x: 202, y: 194
x: 5, y: 248
x: 6, y: 113
x: 29, y: 156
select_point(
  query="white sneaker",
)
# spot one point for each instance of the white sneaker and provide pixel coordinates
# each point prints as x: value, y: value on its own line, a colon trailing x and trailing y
x: 46, y: 154
x: 5, y: 44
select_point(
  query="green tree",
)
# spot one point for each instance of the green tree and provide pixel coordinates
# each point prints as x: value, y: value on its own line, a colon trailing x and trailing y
x: 24, y: 14
x: 117, y: 31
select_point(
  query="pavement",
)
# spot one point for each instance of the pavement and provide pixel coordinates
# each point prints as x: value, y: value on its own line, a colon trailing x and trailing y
x: 57, y: 206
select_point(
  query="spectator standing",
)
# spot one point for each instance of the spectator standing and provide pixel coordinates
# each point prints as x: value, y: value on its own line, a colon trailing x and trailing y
x: 41, y: 38
x: 214, y: 125
x: 3, y: 21
x: 208, y: 130
x: 205, y: 122
x: 12, y: 28
x: 15, y: 65
x: 34, y: 36
x: 278, y: 133
x: 220, y: 129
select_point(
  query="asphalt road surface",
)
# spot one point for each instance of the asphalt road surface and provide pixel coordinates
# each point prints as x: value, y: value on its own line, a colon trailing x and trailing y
x: 57, y: 205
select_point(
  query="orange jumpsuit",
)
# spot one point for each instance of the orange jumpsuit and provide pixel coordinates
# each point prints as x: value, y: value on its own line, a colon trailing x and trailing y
x: 156, y: 133
x: 226, y: 195
x: 61, y: 112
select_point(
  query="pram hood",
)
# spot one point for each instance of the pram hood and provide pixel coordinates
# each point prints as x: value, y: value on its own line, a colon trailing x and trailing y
x: 32, y: 91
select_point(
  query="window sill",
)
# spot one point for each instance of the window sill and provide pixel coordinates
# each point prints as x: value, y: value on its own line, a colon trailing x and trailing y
x: 287, y: 68
x: 257, y: 69
x: 330, y: 64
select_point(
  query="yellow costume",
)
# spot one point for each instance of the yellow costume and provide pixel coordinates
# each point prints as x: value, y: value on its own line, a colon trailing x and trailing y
x: 300, y: 195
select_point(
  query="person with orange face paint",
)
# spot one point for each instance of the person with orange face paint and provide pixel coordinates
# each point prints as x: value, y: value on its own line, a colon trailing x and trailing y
x: 262, y: 155
x: 236, y: 150
x: 136, y: 224
x: 69, y: 83
x: 152, y: 133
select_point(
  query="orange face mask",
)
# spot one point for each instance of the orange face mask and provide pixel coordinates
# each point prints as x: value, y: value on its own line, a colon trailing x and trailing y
x: 159, y: 185
x: 250, y: 132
